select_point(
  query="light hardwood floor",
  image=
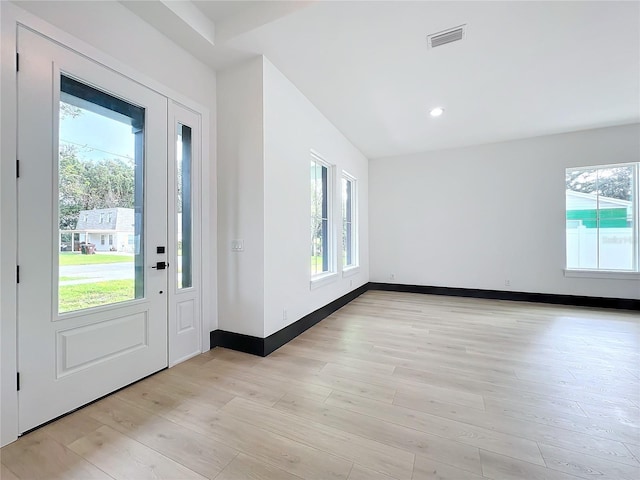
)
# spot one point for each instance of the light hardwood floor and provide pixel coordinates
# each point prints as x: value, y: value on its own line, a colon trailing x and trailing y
x: 392, y: 386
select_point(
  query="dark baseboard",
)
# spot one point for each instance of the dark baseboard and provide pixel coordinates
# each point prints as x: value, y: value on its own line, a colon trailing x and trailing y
x: 575, y: 300
x: 264, y: 346
x: 288, y: 333
x: 237, y: 341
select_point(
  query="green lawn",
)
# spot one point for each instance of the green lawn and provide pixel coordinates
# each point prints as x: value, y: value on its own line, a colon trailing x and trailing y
x: 87, y: 295
x: 68, y: 279
x: 316, y: 264
x: 69, y: 258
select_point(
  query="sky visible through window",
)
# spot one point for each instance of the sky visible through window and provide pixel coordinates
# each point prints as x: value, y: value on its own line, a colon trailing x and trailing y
x: 97, y: 136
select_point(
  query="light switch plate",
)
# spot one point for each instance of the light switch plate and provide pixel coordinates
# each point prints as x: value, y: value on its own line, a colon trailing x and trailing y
x: 237, y: 245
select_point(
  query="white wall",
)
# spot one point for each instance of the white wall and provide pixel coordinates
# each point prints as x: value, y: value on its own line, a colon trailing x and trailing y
x: 113, y: 35
x: 293, y: 127
x: 241, y: 198
x: 266, y: 133
x: 475, y: 217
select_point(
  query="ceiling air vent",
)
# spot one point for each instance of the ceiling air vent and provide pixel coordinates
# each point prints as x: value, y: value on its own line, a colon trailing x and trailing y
x: 447, y: 36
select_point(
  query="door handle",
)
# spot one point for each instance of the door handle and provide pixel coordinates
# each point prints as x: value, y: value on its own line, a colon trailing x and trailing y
x: 160, y: 265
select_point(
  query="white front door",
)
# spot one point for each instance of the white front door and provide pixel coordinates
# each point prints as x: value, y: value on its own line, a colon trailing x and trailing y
x: 92, y: 146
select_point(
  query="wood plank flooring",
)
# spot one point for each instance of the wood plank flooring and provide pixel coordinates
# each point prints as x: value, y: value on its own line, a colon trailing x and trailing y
x: 392, y: 386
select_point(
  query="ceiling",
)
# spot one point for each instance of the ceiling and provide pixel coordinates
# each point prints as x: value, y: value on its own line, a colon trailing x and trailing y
x: 524, y: 69
x: 219, y: 11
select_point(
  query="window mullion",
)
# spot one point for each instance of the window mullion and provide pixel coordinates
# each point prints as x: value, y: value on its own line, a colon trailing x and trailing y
x: 598, y: 218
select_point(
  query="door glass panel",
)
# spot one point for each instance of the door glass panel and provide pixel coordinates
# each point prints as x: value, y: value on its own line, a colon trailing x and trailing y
x: 100, y: 189
x: 184, y: 220
x: 347, y: 222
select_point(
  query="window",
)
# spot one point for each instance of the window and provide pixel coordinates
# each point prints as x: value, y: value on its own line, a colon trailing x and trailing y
x: 321, y: 207
x: 184, y: 206
x: 101, y: 161
x: 602, y: 218
x: 349, y: 252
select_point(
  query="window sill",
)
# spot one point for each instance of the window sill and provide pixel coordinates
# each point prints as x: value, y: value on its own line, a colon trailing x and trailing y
x: 324, y: 279
x: 605, y: 274
x: 350, y: 271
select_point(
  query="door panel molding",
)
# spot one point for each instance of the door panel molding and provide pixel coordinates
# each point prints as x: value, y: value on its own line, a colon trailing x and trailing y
x: 85, y: 346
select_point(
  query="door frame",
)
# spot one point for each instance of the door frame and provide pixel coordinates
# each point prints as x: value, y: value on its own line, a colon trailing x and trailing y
x: 11, y: 17
x: 177, y: 297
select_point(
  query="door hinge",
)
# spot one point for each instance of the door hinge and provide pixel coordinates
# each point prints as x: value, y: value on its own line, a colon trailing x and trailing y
x: 18, y: 380
x: 17, y: 168
x: 17, y: 273
x: 17, y: 62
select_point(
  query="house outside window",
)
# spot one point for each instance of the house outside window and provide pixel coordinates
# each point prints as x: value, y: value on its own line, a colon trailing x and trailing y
x: 349, y: 226
x: 602, y: 218
x: 321, y: 208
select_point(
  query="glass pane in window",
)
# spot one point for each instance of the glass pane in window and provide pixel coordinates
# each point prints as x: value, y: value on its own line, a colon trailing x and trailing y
x: 615, y: 218
x: 345, y: 247
x: 100, y: 187
x: 320, y: 247
x: 581, y: 219
x: 325, y: 247
x: 316, y: 198
x: 347, y: 224
x: 325, y: 219
x: 349, y: 241
x: 185, y: 217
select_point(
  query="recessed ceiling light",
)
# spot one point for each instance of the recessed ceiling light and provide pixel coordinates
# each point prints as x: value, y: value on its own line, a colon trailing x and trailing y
x: 436, y: 112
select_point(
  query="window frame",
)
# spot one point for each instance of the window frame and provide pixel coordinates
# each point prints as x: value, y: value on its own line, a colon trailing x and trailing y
x: 330, y: 274
x: 609, y: 273
x: 350, y: 268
